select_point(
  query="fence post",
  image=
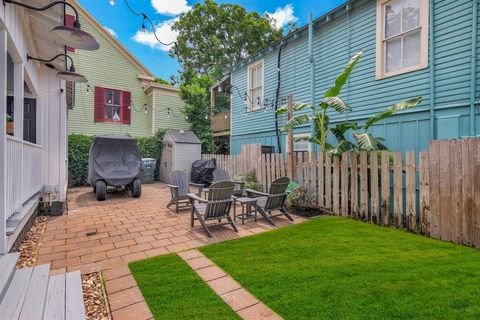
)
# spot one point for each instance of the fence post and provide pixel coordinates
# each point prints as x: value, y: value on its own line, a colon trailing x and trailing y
x: 290, y: 154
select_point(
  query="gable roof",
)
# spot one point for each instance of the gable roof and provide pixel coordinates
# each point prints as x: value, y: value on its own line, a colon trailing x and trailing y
x: 183, y: 136
x: 114, y: 41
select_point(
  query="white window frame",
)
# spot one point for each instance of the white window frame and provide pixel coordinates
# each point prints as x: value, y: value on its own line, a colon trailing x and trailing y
x: 251, y: 105
x: 299, y: 135
x: 381, y: 47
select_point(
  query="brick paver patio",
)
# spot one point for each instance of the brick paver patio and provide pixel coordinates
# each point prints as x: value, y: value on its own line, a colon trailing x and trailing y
x: 96, y: 236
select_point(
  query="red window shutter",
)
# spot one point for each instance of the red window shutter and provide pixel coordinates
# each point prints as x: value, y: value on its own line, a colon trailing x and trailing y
x: 99, y: 112
x: 69, y: 20
x: 126, y: 109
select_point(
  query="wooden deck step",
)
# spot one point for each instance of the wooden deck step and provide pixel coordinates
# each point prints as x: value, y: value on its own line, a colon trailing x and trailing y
x: 34, y: 303
x: 75, y: 309
x: 7, y: 268
x: 55, y: 303
x: 13, y: 301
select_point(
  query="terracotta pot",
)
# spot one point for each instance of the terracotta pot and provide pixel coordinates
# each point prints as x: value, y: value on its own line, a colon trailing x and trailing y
x: 9, y: 127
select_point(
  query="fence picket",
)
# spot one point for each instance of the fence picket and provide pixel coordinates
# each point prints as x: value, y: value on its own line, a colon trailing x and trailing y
x: 363, y: 185
x: 336, y: 185
x: 397, y: 189
x: 385, y: 185
x: 321, y: 180
x: 445, y: 191
x: 328, y: 182
x: 456, y: 190
x: 344, y: 185
x: 354, y: 185
x: 467, y: 192
x: 433, y: 219
x: 476, y: 192
x: 313, y: 170
x: 410, y: 191
x: 424, y: 192
x: 374, y: 198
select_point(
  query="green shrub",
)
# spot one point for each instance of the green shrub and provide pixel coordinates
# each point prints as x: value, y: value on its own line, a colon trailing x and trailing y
x: 79, y: 149
x: 250, y: 178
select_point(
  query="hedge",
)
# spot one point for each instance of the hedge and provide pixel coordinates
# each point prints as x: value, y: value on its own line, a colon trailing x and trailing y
x: 79, y: 148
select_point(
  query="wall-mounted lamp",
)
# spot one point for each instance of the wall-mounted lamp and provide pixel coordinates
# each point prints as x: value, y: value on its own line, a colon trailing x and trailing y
x: 67, y: 75
x: 74, y: 36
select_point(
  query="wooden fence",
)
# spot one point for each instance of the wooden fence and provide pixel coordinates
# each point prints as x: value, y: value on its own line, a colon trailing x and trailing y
x: 435, y: 192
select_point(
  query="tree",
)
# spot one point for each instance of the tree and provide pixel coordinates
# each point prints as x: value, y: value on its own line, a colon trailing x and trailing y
x: 162, y: 81
x: 332, y: 101
x: 211, y: 38
x: 197, y: 108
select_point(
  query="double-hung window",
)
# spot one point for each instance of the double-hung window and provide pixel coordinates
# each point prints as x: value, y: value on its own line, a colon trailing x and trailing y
x: 402, y: 36
x: 255, y: 86
x: 113, y: 105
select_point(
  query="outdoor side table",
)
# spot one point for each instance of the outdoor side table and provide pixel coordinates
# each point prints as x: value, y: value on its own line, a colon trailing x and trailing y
x: 247, y: 212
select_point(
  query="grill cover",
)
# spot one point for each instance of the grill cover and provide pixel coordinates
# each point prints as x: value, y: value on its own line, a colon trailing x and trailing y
x: 115, y: 159
x: 202, y: 171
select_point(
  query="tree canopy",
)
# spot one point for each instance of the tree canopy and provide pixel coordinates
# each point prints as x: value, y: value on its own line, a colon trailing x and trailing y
x: 214, y: 36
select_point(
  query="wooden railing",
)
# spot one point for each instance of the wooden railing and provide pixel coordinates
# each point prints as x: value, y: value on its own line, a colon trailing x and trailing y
x: 23, y: 178
x: 221, y: 121
x: 434, y: 192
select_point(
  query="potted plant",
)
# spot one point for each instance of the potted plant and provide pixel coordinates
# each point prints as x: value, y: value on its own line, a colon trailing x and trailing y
x: 9, y: 124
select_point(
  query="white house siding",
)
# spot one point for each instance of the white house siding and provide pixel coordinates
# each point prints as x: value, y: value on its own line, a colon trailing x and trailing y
x: 25, y: 167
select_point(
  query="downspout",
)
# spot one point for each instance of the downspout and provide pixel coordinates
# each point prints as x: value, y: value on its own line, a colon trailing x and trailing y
x: 473, y: 67
x: 277, y: 96
x: 432, y: 72
x: 312, y: 71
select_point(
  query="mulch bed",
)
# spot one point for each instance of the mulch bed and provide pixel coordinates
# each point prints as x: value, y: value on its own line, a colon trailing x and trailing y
x: 31, y: 244
x: 94, y: 297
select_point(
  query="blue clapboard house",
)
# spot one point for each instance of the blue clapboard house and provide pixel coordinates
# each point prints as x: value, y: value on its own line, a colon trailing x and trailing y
x: 428, y: 48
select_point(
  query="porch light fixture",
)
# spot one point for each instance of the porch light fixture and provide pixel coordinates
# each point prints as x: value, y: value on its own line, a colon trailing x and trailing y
x: 69, y: 74
x: 74, y: 36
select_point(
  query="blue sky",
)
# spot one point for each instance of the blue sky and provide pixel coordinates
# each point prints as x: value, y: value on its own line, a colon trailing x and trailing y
x: 126, y: 27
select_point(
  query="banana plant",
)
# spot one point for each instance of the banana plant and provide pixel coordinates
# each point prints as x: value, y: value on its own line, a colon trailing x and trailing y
x: 319, y: 117
x: 364, y: 141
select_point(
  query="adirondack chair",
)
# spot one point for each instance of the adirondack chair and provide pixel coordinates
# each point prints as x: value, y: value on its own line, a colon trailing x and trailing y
x: 180, y: 188
x: 272, y: 201
x: 222, y: 175
x: 215, y: 208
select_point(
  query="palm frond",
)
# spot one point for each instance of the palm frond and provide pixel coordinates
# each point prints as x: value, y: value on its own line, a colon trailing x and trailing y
x: 337, y: 103
x: 390, y: 111
x: 343, y: 77
x: 366, y: 142
x: 297, y: 121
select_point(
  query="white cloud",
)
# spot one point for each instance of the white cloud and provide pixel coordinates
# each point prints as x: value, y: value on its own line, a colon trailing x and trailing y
x: 283, y: 16
x: 170, y: 7
x: 111, y: 31
x: 164, y: 33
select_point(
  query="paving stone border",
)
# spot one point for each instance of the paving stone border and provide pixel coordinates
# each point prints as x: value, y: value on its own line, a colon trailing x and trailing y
x: 239, y: 299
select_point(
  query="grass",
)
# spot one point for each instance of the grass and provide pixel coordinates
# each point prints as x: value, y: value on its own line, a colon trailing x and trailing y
x: 333, y: 268
x: 174, y: 291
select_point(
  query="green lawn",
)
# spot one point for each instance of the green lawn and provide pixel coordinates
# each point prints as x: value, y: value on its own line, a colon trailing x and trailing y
x: 174, y: 291
x: 333, y: 268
